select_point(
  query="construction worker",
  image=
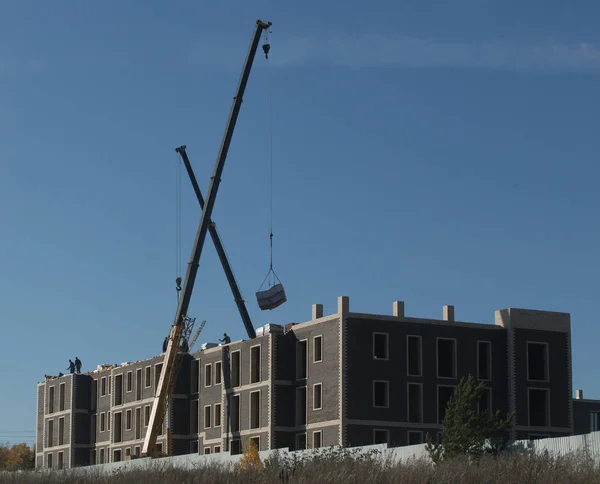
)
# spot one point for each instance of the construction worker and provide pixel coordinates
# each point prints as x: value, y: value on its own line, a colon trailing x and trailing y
x: 165, y: 343
x: 226, y: 339
x: 71, y: 367
x: 78, y: 364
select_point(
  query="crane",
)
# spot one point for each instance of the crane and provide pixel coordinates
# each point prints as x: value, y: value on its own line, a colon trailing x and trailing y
x: 237, y: 296
x: 168, y: 374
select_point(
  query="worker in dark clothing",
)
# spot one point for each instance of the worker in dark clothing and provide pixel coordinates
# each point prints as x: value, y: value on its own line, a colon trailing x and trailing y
x: 165, y: 343
x: 226, y: 339
x: 71, y: 367
x: 77, y: 364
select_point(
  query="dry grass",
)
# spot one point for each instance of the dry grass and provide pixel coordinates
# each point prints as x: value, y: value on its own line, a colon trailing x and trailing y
x: 344, y: 468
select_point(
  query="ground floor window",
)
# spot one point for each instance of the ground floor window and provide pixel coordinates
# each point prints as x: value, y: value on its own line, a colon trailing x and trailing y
x: 381, y: 436
x: 415, y: 437
x: 301, y: 441
x: 235, y: 447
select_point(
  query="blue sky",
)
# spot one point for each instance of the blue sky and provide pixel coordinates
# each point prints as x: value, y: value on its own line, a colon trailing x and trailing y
x: 431, y: 152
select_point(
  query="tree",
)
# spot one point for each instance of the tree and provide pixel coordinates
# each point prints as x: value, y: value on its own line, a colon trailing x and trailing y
x: 17, y: 457
x: 466, y: 431
x: 251, y: 459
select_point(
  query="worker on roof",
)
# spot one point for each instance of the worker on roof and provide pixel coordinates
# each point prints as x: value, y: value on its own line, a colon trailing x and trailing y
x: 226, y: 339
x: 77, y: 364
x: 71, y: 367
x: 165, y: 343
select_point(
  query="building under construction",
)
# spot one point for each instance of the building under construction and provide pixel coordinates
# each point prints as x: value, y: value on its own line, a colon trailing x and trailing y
x: 346, y: 378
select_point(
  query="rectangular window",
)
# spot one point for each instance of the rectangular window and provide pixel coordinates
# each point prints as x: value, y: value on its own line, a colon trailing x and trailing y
x: 61, y: 397
x: 537, y: 361
x: 415, y: 402
x: 127, y: 452
x: 128, y: 420
x: 61, y: 431
x: 218, y: 373
x: 594, y: 421
x: 94, y: 401
x: 413, y: 355
x: 118, y: 428
x: 301, y: 406
x: 235, y: 369
x: 136, y: 451
x: 235, y: 413
x: 61, y: 460
x: 107, y: 420
x: 255, y: 364
x: 92, y: 457
x: 138, y: 384
x: 317, y: 396
x: 484, y: 360
x: 208, y: 375
x: 117, y: 456
x: 255, y: 410
x: 301, y: 359
x: 157, y: 371
x: 51, y: 400
x: 94, y: 429
x: 539, y: 407
x: 206, y: 450
x: 49, y: 461
x: 217, y: 449
x: 50, y: 434
x: 138, y: 423
x: 159, y: 447
x: 446, y: 358
x: 381, y: 394
x: 146, y: 415
x: 194, y: 417
x: 380, y: 346
x: 102, y: 456
x: 217, y: 414
x: 444, y: 395
x: 255, y: 441
x: 103, y: 387
x: 195, y: 375
x: 129, y: 381
x: 109, y: 384
x: 235, y: 447
x: 317, y: 439
x: 415, y: 437
x: 207, y: 419
x: 485, y: 403
x: 148, y: 377
x: 119, y: 389
x: 317, y: 349
x: 381, y: 436
x: 194, y: 447
x: 102, y: 422
x: 300, y: 441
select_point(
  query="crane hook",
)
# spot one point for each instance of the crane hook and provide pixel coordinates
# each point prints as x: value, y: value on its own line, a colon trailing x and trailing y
x: 178, y: 284
x: 266, y: 48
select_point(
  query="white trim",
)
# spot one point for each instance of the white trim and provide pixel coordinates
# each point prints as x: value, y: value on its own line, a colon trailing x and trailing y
x: 219, y: 373
x: 320, y: 433
x: 454, y: 362
x: 437, y: 418
x: 205, y: 426
x: 439, y: 322
x: 420, y: 339
x: 128, y: 418
x: 320, y: 336
x: 250, y: 409
x: 387, y: 405
x: 548, y: 416
x: 547, y: 355
x: 310, y: 426
x: 103, y: 391
x: 387, y: 433
x: 219, y: 413
x: 420, y: 385
x: 320, y: 407
x: 489, y: 360
x: 129, y: 388
x: 387, y: 346
x: 208, y: 384
x: 259, y: 346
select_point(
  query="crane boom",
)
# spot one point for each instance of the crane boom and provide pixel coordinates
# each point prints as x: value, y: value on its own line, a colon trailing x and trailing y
x: 237, y: 296
x: 168, y: 373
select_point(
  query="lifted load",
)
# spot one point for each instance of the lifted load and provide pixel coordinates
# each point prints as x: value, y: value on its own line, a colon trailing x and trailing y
x: 271, y: 298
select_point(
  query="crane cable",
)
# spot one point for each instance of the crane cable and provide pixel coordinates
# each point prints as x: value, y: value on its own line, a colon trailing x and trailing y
x: 178, y: 212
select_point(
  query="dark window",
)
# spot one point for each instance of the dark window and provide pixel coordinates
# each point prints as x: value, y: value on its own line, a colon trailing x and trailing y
x: 194, y: 417
x: 217, y: 414
x: 119, y: 390
x: 217, y: 449
x: 414, y: 355
x: 194, y: 377
x: 129, y: 381
x: 444, y: 395
x: 61, y: 431
x: 484, y: 364
x: 594, y: 421
x: 255, y: 364
x: 138, y: 423
x: 381, y: 394
x: 101, y: 456
x: 381, y: 437
x: 50, y: 434
x: 485, y: 403
x: 415, y: 438
x: 301, y: 406
x: 538, y: 408
x: 301, y: 360
x: 537, y: 361
x: 148, y: 381
x: 300, y: 441
x: 206, y: 450
x: 255, y: 441
x: 51, y: 400
x: 61, y: 460
x: 207, y: 420
x: 118, y: 428
x: 218, y: 373
x: 128, y: 418
x: 102, y: 422
x: 103, y: 386
x: 61, y: 397
x: 446, y: 358
x: 255, y: 410
x: 94, y: 394
x: 317, y: 396
x: 414, y: 402
x: 235, y: 369
x: 49, y: 461
x: 138, y: 383
x: 318, y: 349
x: 146, y: 415
x: 236, y: 447
x: 317, y: 439
x: 159, y: 447
x: 208, y: 375
x: 235, y: 413
x: 380, y: 346
x: 117, y: 456
x: 157, y: 371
